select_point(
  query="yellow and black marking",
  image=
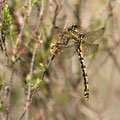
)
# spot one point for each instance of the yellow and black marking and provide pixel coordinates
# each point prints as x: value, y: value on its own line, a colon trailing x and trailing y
x: 78, y: 38
x: 74, y: 33
x: 83, y: 67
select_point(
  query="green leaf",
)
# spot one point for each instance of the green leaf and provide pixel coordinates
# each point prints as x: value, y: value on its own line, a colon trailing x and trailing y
x: 0, y: 106
x: 36, y: 82
x: 42, y: 66
x: 6, y: 18
x: 1, y: 80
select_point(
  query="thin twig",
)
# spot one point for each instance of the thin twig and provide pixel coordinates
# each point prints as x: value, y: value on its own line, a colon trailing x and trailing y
x: 11, y: 38
x: 33, y: 35
x: 30, y: 80
x: 10, y: 89
x: 22, y: 28
x: 7, y: 116
x: 7, y: 91
x: 29, y: 98
x: 29, y: 7
x: 56, y: 12
x: 20, y: 34
x: 4, y: 66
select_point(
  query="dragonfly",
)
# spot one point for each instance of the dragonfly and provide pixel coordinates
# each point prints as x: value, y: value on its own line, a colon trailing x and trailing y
x: 73, y: 41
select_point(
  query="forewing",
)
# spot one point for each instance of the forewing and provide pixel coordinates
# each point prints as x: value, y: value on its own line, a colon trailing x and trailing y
x: 92, y: 36
x: 88, y: 49
x: 67, y: 51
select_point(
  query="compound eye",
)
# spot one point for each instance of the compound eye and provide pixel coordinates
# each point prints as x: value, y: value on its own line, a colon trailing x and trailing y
x: 75, y: 26
x: 69, y: 28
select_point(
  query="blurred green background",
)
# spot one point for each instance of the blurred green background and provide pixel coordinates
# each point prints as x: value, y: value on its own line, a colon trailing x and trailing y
x: 60, y: 95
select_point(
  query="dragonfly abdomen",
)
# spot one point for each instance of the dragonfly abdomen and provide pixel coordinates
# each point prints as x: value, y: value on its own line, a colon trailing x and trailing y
x: 83, y: 67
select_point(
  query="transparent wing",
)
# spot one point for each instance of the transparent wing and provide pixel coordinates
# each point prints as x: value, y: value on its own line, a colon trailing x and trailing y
x: 67, y: 51
x: 92, y: 36
x: 88, y: 49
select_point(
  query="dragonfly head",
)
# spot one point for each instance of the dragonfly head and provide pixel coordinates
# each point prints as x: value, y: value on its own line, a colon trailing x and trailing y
x: 72, y: 27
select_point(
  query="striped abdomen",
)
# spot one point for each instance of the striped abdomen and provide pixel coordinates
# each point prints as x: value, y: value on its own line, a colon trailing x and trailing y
x: 83, y: 67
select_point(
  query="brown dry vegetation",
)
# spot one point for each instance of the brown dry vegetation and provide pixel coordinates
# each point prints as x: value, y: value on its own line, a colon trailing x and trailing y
x: 27, y: 95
